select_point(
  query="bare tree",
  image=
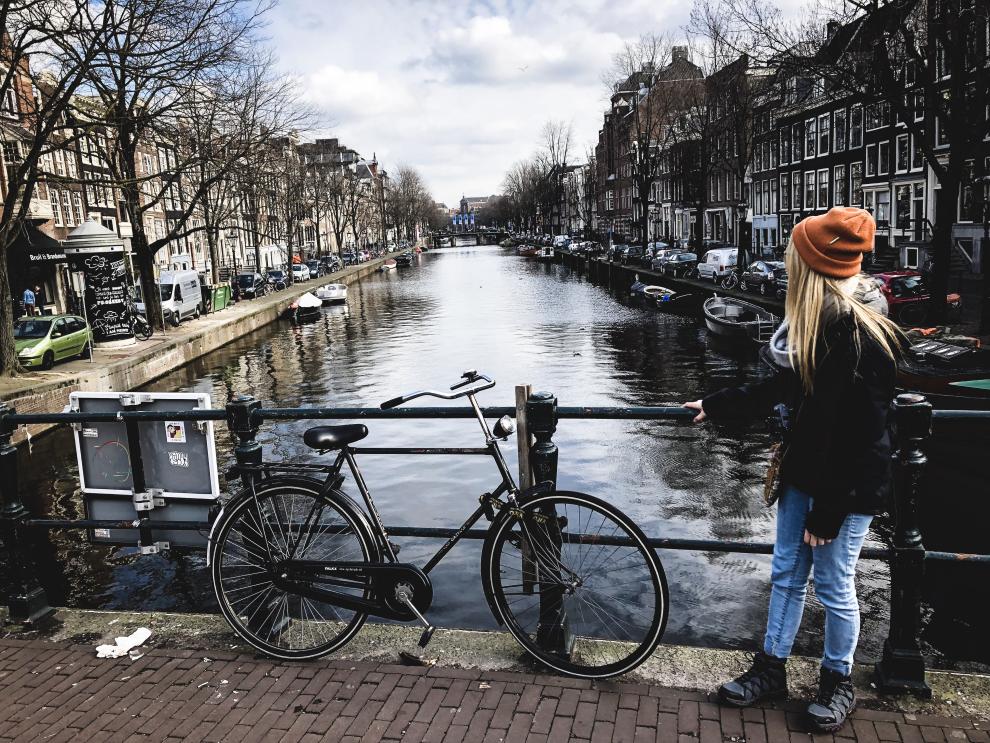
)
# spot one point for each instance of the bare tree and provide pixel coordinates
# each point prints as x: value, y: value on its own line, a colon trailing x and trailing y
x: 926, y: 60
x: 63, y: 39
x: 149, y: 79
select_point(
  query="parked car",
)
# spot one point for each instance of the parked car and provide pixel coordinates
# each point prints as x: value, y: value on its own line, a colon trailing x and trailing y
x: 276, y: 279
x: 315, y: 269
x: 632, y: 255
x: 717, y: 264
x: 680, y: 264
x: 252, y: 285
x: 363, y: 256
x: 41, y: 341
x: 300, y: 272
x: 908, y: 296
x: 330, y: 263
x: 662, y: 256
x: 762, y: 276
x: 350, y: 258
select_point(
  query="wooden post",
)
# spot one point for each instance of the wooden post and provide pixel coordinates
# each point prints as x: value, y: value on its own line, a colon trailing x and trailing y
x: 524, y: 439
x: 902, y: 667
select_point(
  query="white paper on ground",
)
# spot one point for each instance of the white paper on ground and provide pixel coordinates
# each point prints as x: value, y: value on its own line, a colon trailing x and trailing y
x: 123, y: 644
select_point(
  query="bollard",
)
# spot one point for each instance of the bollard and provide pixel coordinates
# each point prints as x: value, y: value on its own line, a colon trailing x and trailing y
x: 241, y: 422
x: 902, y: 667
x: 28, y: 602
x: 553, y: 632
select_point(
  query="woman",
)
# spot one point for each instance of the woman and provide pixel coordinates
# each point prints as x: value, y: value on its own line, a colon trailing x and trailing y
x: 834, y: 358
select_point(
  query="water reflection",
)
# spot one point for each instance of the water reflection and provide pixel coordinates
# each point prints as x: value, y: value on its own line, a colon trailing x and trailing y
x: 522, y: 322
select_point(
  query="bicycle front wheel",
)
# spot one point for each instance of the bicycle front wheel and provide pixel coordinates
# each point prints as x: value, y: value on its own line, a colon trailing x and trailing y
x: 576, y: 583
x: 289, y: 517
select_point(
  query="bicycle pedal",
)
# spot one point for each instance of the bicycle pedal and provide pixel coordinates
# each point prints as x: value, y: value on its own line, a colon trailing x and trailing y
x: 427, y: 635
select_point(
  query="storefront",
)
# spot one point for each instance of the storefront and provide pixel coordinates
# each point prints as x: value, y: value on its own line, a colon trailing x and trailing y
x: 36, y: 261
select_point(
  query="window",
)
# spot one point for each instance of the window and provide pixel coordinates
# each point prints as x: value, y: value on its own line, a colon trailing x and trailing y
x: 77, y: 207
x: 839, y: 130
x: 839, y: 189
x: 773, y: 154
x: 911, y: 257
x: 809, y: 138
x: 910, y: 205
x: 766, y: 197
x: 856, y: 126
x: 796, y: 190
x: 877, y: 115
x: 903, y: 204
x: 9, y: 104
x: 797, y: 143
x: 941, y: 137
x: 53, y: 195
x: 12, y: 160
x: 882, y: 213
x: 809, y: 189
x: 903, y: 154
x: 883, y: 158
x: 871, y: 160
x: 824, y: 126
x: 856, y: 184
x: 823, y: 189
x: 59, y: 158
x: 917, y: 156
x: 918, y: 105
x: 786, y: 225
x: 785, y: 145
x: 773, y: 196
x: 785, y: 191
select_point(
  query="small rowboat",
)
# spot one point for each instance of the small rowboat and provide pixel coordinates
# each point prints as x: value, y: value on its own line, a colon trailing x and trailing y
x: 669, y: 300
x: 305, y: 307
x: 388, y: 265
x: 332, y: 293
x: 735, y: 319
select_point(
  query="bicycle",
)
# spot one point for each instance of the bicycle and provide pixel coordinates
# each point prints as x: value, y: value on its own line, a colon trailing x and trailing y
x: 731, y: 281
x: 298, y: 566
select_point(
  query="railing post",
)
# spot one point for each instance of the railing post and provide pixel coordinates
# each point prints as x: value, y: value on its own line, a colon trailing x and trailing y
x: 541, y: 417
x: 241, y: 422
x: 553, y: 631
x: 902, y: 667
x: 28, y: 602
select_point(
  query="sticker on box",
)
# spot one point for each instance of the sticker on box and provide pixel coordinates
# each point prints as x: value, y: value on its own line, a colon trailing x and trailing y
x: 175, y: 432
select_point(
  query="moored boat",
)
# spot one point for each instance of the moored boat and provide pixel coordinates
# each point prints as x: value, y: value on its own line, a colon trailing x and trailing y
x: 950, y: 375
x: 388, y: 265
x: 306, y: 306
x: 528, y: 251
x: 545, y: 253
x: 669, y: 300
x: 736, y: 319
x: 405, y: 260
x: 332, y: 293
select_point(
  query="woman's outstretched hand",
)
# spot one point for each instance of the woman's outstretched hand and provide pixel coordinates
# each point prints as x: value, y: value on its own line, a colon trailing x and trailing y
x: 696, y: 405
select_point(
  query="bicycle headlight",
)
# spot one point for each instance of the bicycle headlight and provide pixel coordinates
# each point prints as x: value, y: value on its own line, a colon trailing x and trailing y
x: 504, y: 427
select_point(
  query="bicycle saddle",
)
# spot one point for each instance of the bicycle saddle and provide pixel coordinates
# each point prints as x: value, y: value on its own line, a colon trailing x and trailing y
x: 334, y: 437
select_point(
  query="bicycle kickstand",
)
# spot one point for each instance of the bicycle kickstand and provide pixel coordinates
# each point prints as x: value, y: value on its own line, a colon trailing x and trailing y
x: 403, y: 596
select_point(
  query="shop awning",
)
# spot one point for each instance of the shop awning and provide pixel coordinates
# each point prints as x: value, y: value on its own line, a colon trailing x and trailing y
x: 36, y: 247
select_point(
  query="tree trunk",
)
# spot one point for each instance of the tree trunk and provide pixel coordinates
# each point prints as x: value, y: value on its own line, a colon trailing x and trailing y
x: 946, y: 199
x: 8, y: 355
x: 139, y: 239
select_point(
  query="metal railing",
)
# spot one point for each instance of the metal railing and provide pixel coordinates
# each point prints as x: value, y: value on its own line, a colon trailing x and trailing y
x: 901, y: 668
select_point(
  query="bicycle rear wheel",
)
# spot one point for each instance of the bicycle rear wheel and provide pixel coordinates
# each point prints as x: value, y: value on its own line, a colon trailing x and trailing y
x: 575, y: 556
x: 288, y: 516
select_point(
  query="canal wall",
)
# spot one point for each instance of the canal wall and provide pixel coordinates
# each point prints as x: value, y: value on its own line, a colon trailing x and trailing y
x: 617, y: 276
x: 120, y: 370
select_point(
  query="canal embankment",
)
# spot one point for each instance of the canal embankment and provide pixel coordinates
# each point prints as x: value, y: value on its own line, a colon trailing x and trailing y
x: 122, y: 369
x: 620, y: 276
x: 961, y: 699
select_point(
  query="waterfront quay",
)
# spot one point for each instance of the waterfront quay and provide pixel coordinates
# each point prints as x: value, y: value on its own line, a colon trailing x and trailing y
x: 122, y: 369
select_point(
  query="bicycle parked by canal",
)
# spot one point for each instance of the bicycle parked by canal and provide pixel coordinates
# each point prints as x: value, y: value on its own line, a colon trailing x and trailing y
x: 298, y: 565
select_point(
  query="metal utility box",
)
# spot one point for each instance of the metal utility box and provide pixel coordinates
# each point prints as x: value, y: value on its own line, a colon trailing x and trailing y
x: 175, y: 460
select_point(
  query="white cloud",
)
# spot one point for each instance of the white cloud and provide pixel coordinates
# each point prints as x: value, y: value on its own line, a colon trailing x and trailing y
x: 459, y: 90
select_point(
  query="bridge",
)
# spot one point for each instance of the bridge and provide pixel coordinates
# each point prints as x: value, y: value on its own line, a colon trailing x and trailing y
x: 473, y: 237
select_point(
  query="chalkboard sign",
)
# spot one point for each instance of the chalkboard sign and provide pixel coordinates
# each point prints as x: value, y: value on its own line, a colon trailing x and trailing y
x: 105, y: 294
x: 179, y: 457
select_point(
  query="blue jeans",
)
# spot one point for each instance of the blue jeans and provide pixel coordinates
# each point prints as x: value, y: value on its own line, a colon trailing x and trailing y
x: 835, y: 584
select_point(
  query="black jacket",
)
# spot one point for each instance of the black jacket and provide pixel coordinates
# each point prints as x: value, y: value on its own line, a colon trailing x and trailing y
x: 838, y: 449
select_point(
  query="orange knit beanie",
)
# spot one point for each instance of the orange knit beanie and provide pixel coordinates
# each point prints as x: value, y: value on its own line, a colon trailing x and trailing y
x: 833, y: 243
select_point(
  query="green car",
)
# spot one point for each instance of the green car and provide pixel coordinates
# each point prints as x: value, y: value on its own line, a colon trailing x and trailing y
x: 41, y: 341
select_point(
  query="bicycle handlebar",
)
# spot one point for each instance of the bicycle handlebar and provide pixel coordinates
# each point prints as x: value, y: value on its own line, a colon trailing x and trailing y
x: 470, y: 377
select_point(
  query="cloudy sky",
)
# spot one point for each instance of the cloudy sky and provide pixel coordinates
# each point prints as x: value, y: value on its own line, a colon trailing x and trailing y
x: 459, y: 90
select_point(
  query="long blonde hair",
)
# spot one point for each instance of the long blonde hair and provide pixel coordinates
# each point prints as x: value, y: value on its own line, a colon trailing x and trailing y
x: 809, y: 295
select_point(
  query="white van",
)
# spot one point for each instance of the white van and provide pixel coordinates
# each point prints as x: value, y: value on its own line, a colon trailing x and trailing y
x: 717, y: 263
x: 181, y: 295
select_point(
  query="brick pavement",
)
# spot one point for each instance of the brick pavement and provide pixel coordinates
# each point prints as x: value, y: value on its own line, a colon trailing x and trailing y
x: 62, y: 692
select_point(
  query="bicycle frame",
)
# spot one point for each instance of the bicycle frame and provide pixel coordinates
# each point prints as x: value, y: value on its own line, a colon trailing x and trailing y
x: 491, y: 448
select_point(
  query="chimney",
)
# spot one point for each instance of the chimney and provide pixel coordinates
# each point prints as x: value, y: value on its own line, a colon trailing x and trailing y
x: 680, y: 53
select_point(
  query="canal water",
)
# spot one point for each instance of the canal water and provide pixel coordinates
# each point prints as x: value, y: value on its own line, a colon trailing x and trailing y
x: 519, y: 321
